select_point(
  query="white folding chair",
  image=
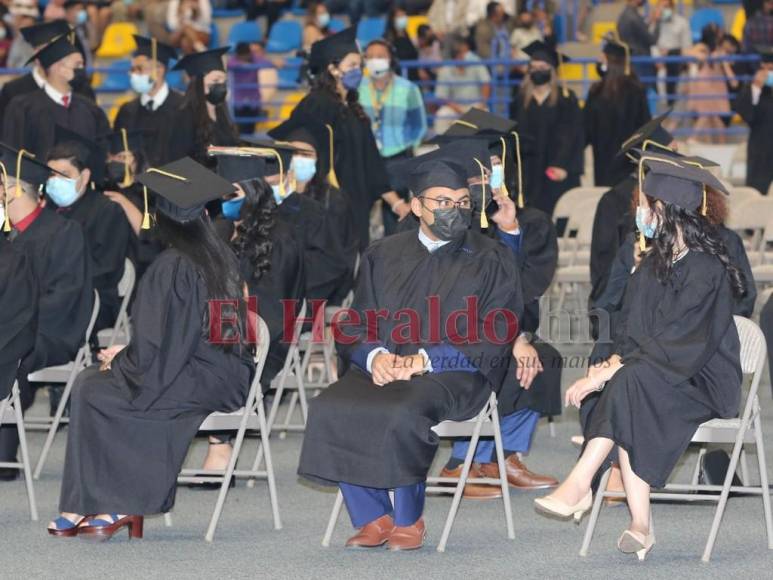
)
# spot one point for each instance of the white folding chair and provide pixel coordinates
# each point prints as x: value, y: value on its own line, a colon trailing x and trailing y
x: 62, y: 374
x: 751, y: 215
x: 121, y: 332
x: 10, y: 412
x: 743, y: 431
x: 485, y: 424
x: 251, y: 417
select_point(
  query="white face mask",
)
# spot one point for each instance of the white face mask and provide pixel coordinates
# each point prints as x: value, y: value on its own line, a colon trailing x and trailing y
x: 2, y: 216
x: 378, y: 67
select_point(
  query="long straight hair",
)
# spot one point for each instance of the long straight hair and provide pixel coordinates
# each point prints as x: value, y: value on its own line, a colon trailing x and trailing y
x: 616, y: 81
x: 196, y: 100
x: 527, y: 90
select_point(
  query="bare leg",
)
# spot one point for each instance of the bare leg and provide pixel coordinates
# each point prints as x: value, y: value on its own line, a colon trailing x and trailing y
x: 218, y: 454
x: 577, y: 484
x: 637, y: 494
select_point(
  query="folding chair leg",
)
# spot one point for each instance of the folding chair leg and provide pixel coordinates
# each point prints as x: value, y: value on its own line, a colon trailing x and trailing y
x: 272, y: 493
x: 168, y: 519
x: 229, y: 473
x: 744, y: 468
x: 503, y: 475
x: 288, y: 417
x: 764, y: 479
x: 551, y: 427
x: 331, y: 523
x: 696, y: 474
x: 598, y: 501
x: 25, y: 457
x: 275, y: 404
x: 258, y: 459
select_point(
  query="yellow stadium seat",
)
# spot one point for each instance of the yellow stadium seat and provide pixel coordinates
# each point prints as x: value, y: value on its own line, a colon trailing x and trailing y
x: 571, y: 71
x: 739, y: 21
x: 117, y: 41
x: 285, y: 109
x: 412, y: 27
x: 602, y: 28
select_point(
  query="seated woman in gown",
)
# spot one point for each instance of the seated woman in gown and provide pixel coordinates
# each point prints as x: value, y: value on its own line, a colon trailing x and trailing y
x: 133, y: 418
x: 675, y: 361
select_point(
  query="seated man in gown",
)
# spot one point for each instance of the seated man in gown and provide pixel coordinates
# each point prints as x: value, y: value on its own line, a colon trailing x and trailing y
x: 417, y: 358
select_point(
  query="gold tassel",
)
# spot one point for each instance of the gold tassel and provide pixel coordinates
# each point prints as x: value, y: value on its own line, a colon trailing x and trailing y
x: 146, y: 215
x: 650, y: 143
x: 642, y: 242
x: 7, y: 220
x: 331, y: 174
x: 465, y: 124
x: 167, y: 174
x: 627, y: 50
x: 154, y: 57
x: 560, y: 76
x: 704, y: 207
x: 127, y: 178
x: 483, y: 217
x: 520, y: 172
x: 282, y: 190
x: 504, y: 164
x: 22, y: 153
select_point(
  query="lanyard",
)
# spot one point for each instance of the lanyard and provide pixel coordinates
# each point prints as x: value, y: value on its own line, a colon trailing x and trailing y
x: 378, y: 103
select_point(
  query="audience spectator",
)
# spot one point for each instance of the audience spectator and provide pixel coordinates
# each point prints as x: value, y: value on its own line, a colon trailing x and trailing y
x: 707, y: 80
x: 729, y: 46
x: 317, y: 24
x: 77, y: 17
x: 674, y: 39
x: 758, y: 31
x: 395, y: 33
x: 190, y: 23
x: 449, y: 20
x: 429, y: 51
x: 247, y: 99
x: 640, y: 35
x: 356, y: 9
x: 526, y: 31
x: 54, y: 10
x: 271, y: 9
x: 492, y: 33
x: 461, y: 87
x: 478, y: 9
x: 22, y: 13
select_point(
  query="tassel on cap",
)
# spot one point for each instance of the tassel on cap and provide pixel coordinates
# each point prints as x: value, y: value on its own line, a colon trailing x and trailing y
x: 520, y: 172
x: 22, y: 153
x: 154, y: 58
x: 504, y: 164
x: 331, y: 174
x: 146, y: 214
x: 127, y: 177
x: 483, y: 217
x: 7, y: 220
x: 561, y: 78
x: 465, y: 124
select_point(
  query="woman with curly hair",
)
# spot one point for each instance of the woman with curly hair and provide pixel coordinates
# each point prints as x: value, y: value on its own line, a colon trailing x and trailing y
x: 675, y: 361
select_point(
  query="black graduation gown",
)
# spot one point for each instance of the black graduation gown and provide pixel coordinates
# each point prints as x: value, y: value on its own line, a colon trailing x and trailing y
x: 18, y: 312
x: 325, y: 264
x: 339, y: 214
x: 608, y: 123
x: 359, y: 167
x: 558, y: 142
x: 681, y: 358
x: 57, y: 250
x: 759, y: 169
x: 145, y: 247
x: 30, y: 121
x: 131, y: 426
x: 185, y: 143
x: 381, y: 437
x: 107, y: 236
x: 26, y: 84
x: 161, y: 124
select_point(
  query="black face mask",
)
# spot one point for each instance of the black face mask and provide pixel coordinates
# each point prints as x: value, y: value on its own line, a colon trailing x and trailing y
x: 217, y: 93
x: 540, y: 77
x: 451, y: 223
x: 116, y: 171
x: 601, y: 69
x: 80, y: 79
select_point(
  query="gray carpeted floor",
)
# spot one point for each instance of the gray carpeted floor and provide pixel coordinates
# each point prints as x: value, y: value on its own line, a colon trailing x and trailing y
x: 246, y: 546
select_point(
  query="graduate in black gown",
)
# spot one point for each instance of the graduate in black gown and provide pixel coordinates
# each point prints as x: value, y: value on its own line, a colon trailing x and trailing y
x: 357, y: 167
x: 134, y: 417
x: 676, y: 360
x: 371, y: 430
x: 157, y: 105
x: 550, y: 114
x: 203, y: 118
x: 30, y: 120
x: 616, y: 105
x: 77, y: 195
x: 58, y: 256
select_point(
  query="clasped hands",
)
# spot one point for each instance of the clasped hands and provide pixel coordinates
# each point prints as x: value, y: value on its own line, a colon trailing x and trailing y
x: 106, y: 356
x: 598, y: 374
x: 387, y: 367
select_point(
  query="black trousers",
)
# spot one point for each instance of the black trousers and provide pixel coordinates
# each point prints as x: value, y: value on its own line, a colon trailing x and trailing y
x: 387, y: 215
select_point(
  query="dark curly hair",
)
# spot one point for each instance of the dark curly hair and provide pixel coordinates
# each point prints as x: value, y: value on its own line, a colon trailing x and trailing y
x: 326, y: 82
x: 253, y: 234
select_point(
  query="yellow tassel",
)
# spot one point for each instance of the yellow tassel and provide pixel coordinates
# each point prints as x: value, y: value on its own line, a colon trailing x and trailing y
x: 146, y: 215
x: 465, y: 124
x: 167, y: 174
x: 127, y: 178
x: 520, y: 172
x: 704, y: 207
x: 627, y: 50
x: 332, y: 178
x: 560, y: 77
x: 154, y: 57
x: 21, y: 153
x: 7, y: 220
x: 642, y: 242
x: 504, y: 164
x: 650, y: 143
x: 483, y: 217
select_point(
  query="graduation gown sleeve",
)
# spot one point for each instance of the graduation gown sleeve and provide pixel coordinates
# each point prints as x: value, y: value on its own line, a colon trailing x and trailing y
x: 744, y: 305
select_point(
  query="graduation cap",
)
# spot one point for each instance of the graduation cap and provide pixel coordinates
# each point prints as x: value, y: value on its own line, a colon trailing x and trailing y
x: 538, y: 50
x: 183, y: 189
x: 62, y: 46
x: 614, y: 46
x: 156, y: 51
x: 89, y: 152
x: 200, y: 63
x: 304, y: 128
x: 332, y: 49
x: 437, y: 173
x: 238, y: 168
x: 39, y: 34
x: 694, y: 160
x: 277, y: 156
x: 651, y: 134
x: 126, y: 141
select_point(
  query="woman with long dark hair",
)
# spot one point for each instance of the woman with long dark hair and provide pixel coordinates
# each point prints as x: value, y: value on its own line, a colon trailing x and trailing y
x: 204, y: 119
x: 335, y: 64
x: 133, y: 419
x: 615, y: 108
x: 676, y: 355
x: 397, y: 35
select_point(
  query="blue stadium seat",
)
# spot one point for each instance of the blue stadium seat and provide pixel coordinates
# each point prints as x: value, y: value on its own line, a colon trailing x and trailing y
x: 288, y: 74
x: 703, y: 16
x: 297, y: 8
x: 117, y: 79
x: 284, y: 36
x: 336, y: 25
x: 176, y: 79
x: 214, y: 36
x: 244, y: 32
x: 370, y: 29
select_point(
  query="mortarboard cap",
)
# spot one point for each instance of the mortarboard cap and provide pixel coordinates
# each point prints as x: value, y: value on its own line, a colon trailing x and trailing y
x: 154, y: 50
x: 332, y: 49
x: 650, y: 135
x: 62, y: 46
x: 39, y: 34
x: 304, y: 128
x: 694, y: 160
x: 238, y: 168
x: 614, y: 46
x: 437, y: 173
x: 538, y: 50
x: 200, y: 63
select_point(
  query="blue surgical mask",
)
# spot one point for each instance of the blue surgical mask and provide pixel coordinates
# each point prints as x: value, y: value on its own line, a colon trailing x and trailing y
x: 232, y: 208
x: 277, y: 197
x: 82, y: 17
x: 304, y: 168
x: 644, y: 222
x: 351, y: 79
x: 667, y: 14
x: 140, y: 83
x: 323, y: 19
x: 401, y: 23
x: 62, y: 191
x: 497, y: 178
x: 769, y: 80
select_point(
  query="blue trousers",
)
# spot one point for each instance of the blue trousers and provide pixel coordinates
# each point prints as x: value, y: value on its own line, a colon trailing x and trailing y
x: 516, y: 430
x: 366, y: 504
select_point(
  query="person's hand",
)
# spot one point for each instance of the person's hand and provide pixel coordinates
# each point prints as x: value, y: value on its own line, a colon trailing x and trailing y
x: 581, y: 389
x: 605, y: 370
x: 106, y: 355
x: 408, y: 366
x: 383, y: 370
x: 759, y: 78
x: 638, y: 254
x: 117, y: 197
x: 555, y: 173
x: 506, y: 218
x: 401, y: 208
x: 527, y: 361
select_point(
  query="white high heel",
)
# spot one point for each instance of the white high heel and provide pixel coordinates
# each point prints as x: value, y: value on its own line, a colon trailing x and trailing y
x: 635, y: 543
x: 556, y: 508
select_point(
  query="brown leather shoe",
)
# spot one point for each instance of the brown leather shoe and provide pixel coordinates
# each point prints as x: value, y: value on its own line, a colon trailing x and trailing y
x: 518, y: 475
x: 374, y: 534
x: 407, y: 537
x: 474, y: 490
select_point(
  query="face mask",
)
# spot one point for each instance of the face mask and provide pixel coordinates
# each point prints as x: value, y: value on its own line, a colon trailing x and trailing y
x: 217, y: 94
x: 644, y: 222
x: 351, y: 79
x: 3, y: 32
x: 540, y: 77
x: 304, y: 168
x: 116, y: 171
x: 601, y: 69
x: 378, y: 67
x: 79, y: 79
x: 232, y: 208
x: 62, y: 191
x: 82, y: 17
x: 667, y: 14
x: 140, y: 83
x: 451, y: 223
x: 497, y: 178
x: 277, y: 198
x: 2, y: 215
x: 769, y: 80
x: 401, y: 23
x: 323, y: 20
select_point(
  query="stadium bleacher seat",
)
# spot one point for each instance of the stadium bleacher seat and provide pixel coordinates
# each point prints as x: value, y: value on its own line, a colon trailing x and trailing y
x: 336, y: 25
x: 297, y: 8
x: 284, y: 36
x: 600, y: 29
x: 244, y: 32
x: 739, y: 21
x: 369, y: 29
x: 118, y: 41
x: 176, y: 79
x: 214, y: 36
x: 117, y: 79
x: 412, y: 28
x: 703, y: 16
x: 288, y: 74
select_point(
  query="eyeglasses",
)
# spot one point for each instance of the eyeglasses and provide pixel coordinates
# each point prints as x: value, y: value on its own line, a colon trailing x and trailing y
x: 446, y: 203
